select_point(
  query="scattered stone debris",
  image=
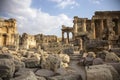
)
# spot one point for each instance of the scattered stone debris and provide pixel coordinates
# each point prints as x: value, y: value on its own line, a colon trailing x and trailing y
x: 93, y: 52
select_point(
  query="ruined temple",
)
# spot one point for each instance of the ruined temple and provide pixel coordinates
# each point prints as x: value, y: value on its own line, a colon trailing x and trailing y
x: 8, y: 33
x: 104, y: 25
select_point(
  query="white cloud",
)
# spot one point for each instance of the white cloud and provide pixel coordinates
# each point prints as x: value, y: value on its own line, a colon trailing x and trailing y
x: 64, y: 3
x: 32, y: 20
x: 95, y: 1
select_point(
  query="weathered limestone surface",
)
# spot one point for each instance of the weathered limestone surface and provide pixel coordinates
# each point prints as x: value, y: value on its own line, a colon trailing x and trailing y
x: 8, y: 33
x: 28, y: 41
x: 94, y: 44
x: 7, y: 66
x: 104, y: 25
x: 102, y: 72
x: 25, y: 74
x: 66, y: 77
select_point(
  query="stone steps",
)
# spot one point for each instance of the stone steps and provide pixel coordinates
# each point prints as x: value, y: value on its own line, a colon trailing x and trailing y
x: 75, y: 57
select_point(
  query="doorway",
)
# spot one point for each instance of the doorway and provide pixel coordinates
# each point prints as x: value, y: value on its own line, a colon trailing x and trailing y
x: 4, y: 40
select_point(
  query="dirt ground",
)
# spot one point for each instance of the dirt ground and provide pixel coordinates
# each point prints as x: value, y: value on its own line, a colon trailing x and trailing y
x: 79, y: 69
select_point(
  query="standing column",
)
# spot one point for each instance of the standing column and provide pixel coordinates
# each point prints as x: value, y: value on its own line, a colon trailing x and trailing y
x: 84, y: 26
x: 118, y: 26
x: 93, y: 27
x: 68, y: 37
x: 102, y: 25
x: 62, y: 36
x: 80, y: 44
x: 0, y: 39
x: 73, y: 36
x: 75, y: 27
x: 101, y: 28
x: 75, y: 24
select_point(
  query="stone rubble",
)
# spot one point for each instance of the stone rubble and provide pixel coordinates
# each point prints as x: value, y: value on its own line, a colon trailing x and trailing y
x: 92, y: 53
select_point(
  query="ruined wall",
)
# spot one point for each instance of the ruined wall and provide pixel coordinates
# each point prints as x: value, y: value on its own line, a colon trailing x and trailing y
x: 107, y: 24
x: 103, y: 25
x: 8, y: 33
x: 28, y: 41
x: 40, y: 38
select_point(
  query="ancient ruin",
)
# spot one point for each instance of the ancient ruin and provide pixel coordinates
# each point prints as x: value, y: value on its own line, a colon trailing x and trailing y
x: 92, y: 53
x: 8, y: 33
x: 103, y: 26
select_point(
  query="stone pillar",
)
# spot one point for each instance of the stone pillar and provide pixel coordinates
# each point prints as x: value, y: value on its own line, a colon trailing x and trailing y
x: 68, y: 36
x: 80, y: 44
x: 0, y: 39
x: 62, y: 36
x: 84, y: 25
x: 118, y: 26
x: 93, y: 27
x: 101, y: 27
x: 75, y: 24
x: 75, y: 27
x: 73, y: 36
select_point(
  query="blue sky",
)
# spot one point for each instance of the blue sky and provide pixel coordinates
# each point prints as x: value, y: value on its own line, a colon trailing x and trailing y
x: 47, y: 16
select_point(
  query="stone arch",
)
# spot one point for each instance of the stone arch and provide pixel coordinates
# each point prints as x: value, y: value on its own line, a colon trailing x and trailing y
x: 67, y: 30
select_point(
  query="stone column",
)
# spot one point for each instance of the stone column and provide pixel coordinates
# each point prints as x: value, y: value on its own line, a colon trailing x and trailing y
x: 93, y: 27
x: 118, y: 26
x: 80, y: 44
x: 75, y: 24
x: 0, y: 39
x: 68, y: 36
x: 84, y: 25
x: 62, y: 36
x: 73, y: 36
x: 101, y: 27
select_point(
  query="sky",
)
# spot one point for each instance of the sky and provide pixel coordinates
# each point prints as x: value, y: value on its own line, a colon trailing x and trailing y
x: 48, y: 16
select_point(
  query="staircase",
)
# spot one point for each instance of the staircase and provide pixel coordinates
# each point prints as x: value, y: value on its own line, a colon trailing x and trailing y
x: 75, y: 57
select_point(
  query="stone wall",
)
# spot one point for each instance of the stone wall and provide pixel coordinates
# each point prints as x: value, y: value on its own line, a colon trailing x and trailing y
x: 103, y: 25
x: 40, y: 38
x: 28, y: 41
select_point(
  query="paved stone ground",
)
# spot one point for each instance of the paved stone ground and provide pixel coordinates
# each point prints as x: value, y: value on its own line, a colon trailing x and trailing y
x: 79, y: 69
